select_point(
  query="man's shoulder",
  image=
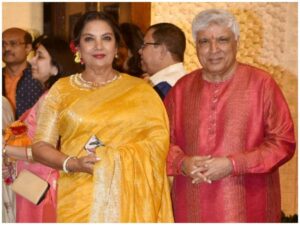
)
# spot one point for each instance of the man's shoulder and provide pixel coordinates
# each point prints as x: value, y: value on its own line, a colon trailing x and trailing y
x: 28, y: 81
x: 188, y: 78
x: 256, y: 76
x: 255, y: 71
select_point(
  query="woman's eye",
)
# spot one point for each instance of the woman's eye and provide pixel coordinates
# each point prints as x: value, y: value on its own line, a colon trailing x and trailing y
x: 38, y: 55
x: 107, y: 38
x: 87, y: 39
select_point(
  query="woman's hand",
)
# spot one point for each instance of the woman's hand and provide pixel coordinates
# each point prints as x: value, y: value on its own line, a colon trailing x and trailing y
x: 83, y: 164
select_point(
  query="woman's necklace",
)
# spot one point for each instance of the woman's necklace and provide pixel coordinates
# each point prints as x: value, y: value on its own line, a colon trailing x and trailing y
x: 92, y: 85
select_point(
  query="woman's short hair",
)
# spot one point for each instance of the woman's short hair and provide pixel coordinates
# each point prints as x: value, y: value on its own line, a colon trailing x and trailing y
x: 61, y: 57
x: 172, y: 37
x: 215, y: 16
x: 91, y: 16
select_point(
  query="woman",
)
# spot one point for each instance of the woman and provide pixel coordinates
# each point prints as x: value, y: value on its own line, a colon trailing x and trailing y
x: 123, y: 177
x: 129, y: 59
x: 8, y: 168
x: 52, y: 60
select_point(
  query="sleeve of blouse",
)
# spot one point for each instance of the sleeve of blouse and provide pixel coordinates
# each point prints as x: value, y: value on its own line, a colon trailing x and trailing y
x: 47, y: 123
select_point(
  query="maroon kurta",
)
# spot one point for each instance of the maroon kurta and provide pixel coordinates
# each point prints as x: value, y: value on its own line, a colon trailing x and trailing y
x: 245, y: 118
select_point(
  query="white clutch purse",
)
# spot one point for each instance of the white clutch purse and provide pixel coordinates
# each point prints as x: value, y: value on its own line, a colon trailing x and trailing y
x: 30, y: 186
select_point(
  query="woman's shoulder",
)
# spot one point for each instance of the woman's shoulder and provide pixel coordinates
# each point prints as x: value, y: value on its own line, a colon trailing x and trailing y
x: 135, y: 81
x: 64, y: 82
x: 140, y: 85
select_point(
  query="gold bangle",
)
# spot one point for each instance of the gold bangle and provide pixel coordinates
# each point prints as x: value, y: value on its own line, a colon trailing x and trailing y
x: 29, y: 154
x: 4, y: 151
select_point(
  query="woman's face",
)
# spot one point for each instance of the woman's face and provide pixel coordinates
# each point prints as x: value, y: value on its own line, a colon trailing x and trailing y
x: 97, y: 45
x: 42, y: 68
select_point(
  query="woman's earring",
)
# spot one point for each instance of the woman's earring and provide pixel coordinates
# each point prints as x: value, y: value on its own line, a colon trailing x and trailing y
x: 77, y: 57
x: 116, y: 56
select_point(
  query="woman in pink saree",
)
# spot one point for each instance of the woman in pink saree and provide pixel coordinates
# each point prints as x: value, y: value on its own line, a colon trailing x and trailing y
x: 53, y: 59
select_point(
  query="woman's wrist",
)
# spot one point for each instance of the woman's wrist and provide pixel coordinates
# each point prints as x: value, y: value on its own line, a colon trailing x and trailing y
x: 29, y: 156
x: 68, y: 164
x: 4, y: 151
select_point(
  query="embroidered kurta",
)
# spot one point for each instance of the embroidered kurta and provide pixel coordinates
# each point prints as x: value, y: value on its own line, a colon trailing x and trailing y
x: 245, y: 118
x: 129, y: 183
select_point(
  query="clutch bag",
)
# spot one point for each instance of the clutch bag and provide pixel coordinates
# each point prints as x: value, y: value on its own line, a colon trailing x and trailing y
x: 30, y: 186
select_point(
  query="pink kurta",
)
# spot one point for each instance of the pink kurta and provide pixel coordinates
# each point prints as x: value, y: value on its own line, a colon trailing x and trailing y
x: 245, y: 118
x: 26, y: 211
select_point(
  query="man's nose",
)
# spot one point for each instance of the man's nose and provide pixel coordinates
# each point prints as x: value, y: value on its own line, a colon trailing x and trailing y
x: 213, y: 46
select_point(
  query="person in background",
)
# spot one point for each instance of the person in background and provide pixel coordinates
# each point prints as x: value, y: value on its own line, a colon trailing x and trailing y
x: 231, y: 130
x: 18, y: 86
x: 113, y: 152
x: 8, y: 169
x: 129, y: 59
x: 162, y: 56
x: 52, y: 60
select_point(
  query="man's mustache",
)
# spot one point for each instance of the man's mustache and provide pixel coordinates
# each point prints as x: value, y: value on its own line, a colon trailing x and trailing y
x: 7, y: 53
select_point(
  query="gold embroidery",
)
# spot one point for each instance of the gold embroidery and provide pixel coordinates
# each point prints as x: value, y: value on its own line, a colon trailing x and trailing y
x: 106, y: 202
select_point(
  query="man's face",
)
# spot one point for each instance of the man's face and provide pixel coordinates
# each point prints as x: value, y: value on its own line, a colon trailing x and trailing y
x: 150, y: 54
x: 216, y: 50
x: 14, y: 49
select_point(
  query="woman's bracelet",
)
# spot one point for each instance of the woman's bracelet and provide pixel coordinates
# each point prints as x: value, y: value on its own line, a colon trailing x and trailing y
x: 4, y: 150
x: 65, y: 164
x: 29, y: 154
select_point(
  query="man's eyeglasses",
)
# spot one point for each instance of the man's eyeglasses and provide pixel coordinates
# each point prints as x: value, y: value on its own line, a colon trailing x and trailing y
x: 149, y: 43
x: 12, y: 44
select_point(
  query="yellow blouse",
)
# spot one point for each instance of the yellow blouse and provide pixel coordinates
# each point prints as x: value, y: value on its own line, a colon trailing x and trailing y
x: 129, y: 182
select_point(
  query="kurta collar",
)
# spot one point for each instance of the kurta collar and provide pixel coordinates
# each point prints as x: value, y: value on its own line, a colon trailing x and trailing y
x: 169, y: 74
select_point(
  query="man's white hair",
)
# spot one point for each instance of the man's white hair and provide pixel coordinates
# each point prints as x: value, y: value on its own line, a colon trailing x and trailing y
x: 215, y: 16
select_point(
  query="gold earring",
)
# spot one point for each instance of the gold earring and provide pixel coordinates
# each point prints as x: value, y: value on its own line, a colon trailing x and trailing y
x: 77, y: 57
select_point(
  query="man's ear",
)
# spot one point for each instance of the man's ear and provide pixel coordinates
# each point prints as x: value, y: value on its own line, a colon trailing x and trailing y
x: 28, y: 48
x: 163, y: 50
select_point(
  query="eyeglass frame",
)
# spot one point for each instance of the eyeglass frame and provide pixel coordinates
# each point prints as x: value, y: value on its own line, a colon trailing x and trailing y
x: 149, y: 43
x: 12, y: 44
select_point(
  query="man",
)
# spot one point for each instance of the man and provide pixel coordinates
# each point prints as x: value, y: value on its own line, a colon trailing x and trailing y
x: 162, y: 55
x: 231, y: 129
x: 17, y: 83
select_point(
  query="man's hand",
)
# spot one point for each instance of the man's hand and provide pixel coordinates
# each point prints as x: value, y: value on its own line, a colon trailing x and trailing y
x: 195, y: 163
x: 216, y: 169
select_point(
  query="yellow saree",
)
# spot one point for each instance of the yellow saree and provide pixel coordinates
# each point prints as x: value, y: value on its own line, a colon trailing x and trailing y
x: 129, y: 182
